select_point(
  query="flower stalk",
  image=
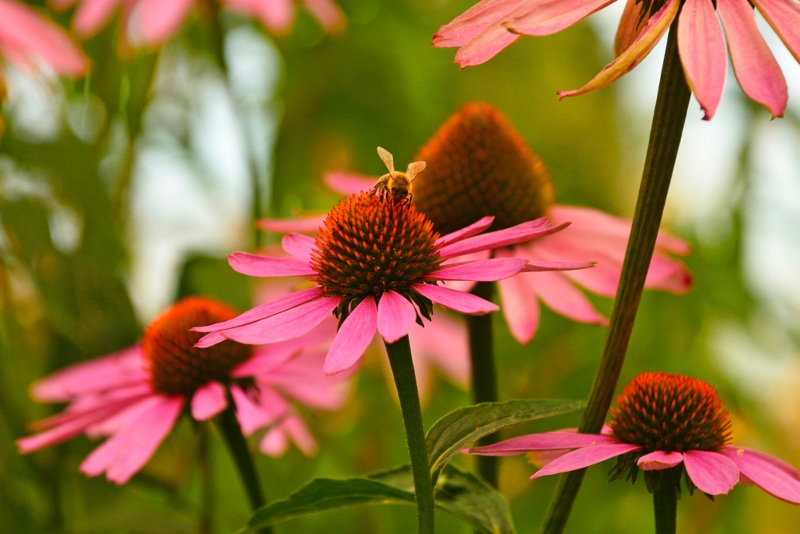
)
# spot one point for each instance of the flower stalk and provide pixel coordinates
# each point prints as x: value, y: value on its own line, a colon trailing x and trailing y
x: 665, y: 135
x: 484, y: 374
x: 406, y: 382
x: 231, y: 432
x: 665, y: 500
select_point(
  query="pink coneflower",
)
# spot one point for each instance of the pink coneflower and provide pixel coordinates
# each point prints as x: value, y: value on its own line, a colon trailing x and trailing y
x: 135, y: 396
x: 478, y: 165
x: 491, y: 25
x: 30, y: 41
x: 377, y: 264
x: 663, y: 421
x: 151, y: 23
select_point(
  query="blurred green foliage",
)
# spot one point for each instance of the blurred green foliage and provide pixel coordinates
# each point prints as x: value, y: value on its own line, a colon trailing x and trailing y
x: 67, y: 247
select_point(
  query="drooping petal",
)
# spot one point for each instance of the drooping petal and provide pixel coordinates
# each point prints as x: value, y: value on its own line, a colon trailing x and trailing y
x: 520, y: 307
x: 124, y: 453
x: 468, y: 231
x: 564, y: 298
x: 711, y: 472
x: 305, y: 225
x: 485, y: 46
x: 702, y: 50
x: 771, y: 474
x: 658, y: 460
x: 546, y: 17
x: 275, y: 442
x: 285, y: 325
x: 655, y: 28
x: 208, y: 401
x: 784, y: 17
x: 585, y: 457
x: 265, y: 310
x: 629, y: 27
x: 254, y: 412
x: 353, y: 337
x: 266, y: 266
x: 91, y: 15
x: 455, y: 300
x: 298, y: 246
x: 155, y: 21
x: 481, y: 270
x: 348, y: 183
x: 328, y: 14
x: 758, y: 72
x: 501, y: 238
x: 396, y: 314
x: 544, y: 441
x: 474, y: 21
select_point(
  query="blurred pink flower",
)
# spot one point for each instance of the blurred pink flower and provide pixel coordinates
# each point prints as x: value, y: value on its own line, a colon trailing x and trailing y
x: 376, y: 263
x: 491, y: 25
x: 29, y: 41
x: 153, y: 22
x: 662, y: 421
x: 135, y: 396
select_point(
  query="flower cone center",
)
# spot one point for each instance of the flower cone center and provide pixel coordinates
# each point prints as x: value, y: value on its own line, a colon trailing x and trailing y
x: 478, y: 165
x: 370, y: 244
x: 668, y: 412
x: 176, y: 366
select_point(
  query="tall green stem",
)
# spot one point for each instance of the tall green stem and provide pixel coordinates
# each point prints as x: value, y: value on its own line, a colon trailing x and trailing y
x: 237, y: 445
x: 665, y: 499
x: 406, y: 382
x: 484, y: 374
x: 665, y: 136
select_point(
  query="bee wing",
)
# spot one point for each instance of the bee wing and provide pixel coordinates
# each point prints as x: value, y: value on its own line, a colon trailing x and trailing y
x: 387, y: 159
x: 414, y: 169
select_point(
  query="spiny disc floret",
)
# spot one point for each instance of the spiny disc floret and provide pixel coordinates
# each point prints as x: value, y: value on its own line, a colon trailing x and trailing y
x: 668, y: 412
x: 176, y: 366
x: 370, y: 244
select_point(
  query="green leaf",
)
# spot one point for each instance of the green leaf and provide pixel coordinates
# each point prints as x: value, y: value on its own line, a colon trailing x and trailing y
x: 458, y: 493
x: 461, y: 427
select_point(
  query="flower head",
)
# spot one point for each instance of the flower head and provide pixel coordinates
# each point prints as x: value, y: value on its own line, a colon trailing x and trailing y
x: 663, y: 421
x: 135, y: 396
x: 377, y: 264
x: 491, y: 25
x: 479, y: 165
x: 150, y: 23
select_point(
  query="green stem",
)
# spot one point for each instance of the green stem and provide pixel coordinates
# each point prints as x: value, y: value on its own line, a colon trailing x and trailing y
x: 484, y: 374
x: 406, y: 382
x: 205, y: 521
x: 665, y: 136
x: 237, y: 446
x: 665, y: 500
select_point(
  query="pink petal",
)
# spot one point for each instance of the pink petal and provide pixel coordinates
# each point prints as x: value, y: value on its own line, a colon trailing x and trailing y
x: 702, y: 50
x: 655, y: 461
x: 277, y: 16
x: 485, y: 46
x: 784, y: 17
x: 667, y: 274
x: 629, y: 27
x: 475, y: 21
x: 155, y: 21
x: 25, y: 34
x: 441, y: 344
x: 455, y: 300
x: 263, y: 311
x: 656, y: 26
x: 110, y: 372
x: 353, y: 337
x: 305, y: 225
x: 520, y: 307
x: 276, y: 440
x: 396, y: 314
x: 208, y: 401
x: 771, y: 474
x: 298, y: 246
x: 285, y: 325
x: 501, y: 238
x: 711, y: 472
x: 327, y: 13
x: 263, y: 266
x: 124, y: 453
x: 585, y: 457
x: 755, y: 67
x: 468, y: 231
x: 480, y: 270
x: 546, y: 17
x: 92, y: 15
x: 544, y: 441
x: 563, y: 298
x: 348, y: 183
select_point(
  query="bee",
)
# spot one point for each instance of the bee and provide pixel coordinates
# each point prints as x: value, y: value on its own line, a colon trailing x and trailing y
x: 397, y: 184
